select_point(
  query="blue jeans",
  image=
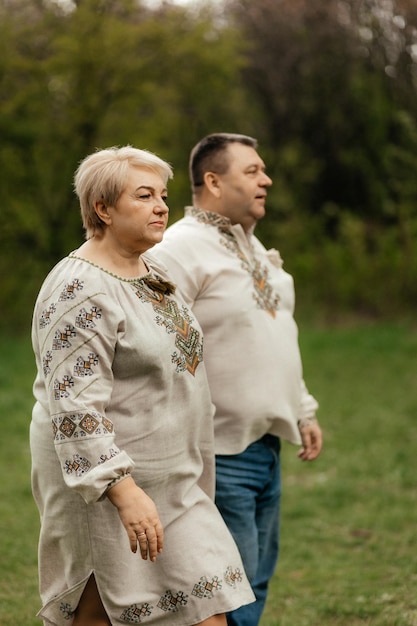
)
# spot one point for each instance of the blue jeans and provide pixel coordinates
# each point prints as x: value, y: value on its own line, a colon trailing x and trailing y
x: 248, y: 491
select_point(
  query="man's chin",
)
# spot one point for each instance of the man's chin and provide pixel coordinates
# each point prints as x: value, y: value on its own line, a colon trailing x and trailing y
x: 258, y: 213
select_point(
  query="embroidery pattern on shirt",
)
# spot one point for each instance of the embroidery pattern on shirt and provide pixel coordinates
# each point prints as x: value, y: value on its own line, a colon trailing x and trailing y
x: 188, y: 340
x: 264, y: 294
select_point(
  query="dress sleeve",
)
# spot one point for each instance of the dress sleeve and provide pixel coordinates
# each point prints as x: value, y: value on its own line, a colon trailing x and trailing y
x: 75, y: 330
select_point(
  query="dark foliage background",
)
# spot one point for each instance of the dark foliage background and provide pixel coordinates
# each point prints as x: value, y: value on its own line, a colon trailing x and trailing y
x: 328, y: 88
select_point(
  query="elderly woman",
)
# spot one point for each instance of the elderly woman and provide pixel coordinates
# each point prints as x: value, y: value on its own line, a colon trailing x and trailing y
x: 121, y: 433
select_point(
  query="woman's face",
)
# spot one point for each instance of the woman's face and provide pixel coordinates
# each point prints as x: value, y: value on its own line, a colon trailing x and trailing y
x: 140, y: 216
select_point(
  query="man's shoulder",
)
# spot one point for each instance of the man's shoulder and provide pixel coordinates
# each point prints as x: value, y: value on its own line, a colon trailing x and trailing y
x: 188, y: 229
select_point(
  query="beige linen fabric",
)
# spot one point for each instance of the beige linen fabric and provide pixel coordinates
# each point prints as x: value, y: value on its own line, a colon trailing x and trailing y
x: 122, y: 389
x: 244, y: 301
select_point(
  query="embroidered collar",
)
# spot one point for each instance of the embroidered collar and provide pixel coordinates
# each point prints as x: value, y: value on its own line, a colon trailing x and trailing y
x: 208, y: 217
x: 151, y: 279
x: 263, y: 292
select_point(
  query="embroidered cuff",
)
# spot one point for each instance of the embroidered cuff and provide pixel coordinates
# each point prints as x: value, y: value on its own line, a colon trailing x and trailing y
x: 304, y: 422
x: 117, y: 480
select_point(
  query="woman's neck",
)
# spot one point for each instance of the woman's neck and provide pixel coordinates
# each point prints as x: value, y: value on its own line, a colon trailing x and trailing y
x: 117, y: 261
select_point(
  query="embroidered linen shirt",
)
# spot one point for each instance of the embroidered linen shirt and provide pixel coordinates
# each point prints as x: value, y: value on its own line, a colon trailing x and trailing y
x: 244, y: 302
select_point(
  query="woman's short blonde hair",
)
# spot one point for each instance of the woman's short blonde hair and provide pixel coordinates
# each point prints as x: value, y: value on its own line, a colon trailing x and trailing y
x: 102, y: 176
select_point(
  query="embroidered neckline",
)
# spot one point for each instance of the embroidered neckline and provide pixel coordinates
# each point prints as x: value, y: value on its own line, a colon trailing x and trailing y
x: 188, y: 340
x: 263, y: 293
x: 152, y: 279
x: 208, y: 217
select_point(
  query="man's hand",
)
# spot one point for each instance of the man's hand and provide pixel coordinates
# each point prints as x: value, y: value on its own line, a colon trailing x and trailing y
x: 139, y: 517
x: 312, y: 439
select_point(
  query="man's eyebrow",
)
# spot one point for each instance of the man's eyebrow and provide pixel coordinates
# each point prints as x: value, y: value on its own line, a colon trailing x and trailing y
x: 260, y: 166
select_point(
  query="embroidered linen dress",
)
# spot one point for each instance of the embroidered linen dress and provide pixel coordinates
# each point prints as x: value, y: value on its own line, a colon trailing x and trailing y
x: 121, y: 389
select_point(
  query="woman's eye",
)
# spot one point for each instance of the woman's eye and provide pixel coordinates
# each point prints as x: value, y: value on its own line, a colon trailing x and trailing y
x: 144, y: 196
x: 164, y: 199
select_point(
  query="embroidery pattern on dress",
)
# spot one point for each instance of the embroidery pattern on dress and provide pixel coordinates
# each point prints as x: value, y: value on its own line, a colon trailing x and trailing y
x: 134, y: 613
x: 61, y: 388
x: 169, y: 602
x: 66, y: 610
x: 78, y: 466
x: 232, y: 576
x: 46, y: 361
x: 83, y: 367
x: 85, y: 319
x: 106, y: 457
x: 205, y: 588
x: 80, y: 425
x: 188, y: 339
x: 46, y: 316
x: 68, y: 293
x: 62, y: 338
x: 172, y: 602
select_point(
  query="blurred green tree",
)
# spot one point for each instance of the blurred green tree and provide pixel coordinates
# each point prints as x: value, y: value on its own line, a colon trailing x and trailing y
x: 335, y: 83
x: 77, y: 76
x: 329, y: 89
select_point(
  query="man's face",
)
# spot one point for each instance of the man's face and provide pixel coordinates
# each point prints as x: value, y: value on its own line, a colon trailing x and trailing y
x: 244, y: 186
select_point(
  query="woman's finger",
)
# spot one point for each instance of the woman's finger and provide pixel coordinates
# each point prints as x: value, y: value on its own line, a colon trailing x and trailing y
x: 152, y: 544
x: 143, y: 544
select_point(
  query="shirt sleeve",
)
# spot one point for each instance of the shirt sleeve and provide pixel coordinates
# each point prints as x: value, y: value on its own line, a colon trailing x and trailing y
x: 75, y: 335
x: 308, y: 406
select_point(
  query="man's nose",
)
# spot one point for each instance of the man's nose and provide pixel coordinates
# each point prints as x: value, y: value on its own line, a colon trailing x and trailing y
x: 266, y: 181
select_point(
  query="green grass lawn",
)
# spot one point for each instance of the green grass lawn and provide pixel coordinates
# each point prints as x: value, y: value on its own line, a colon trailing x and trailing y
x: 349, y: 520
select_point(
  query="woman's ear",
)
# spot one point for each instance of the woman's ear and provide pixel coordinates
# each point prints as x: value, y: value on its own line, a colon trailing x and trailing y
x: 102, y: 212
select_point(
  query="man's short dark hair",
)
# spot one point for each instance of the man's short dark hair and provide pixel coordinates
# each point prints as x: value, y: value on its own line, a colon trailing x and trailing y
x: 210, y: 155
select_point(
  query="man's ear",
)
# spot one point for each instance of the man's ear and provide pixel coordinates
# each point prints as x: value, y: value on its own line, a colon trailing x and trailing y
x: 211, y: 181
x: 101, y: 209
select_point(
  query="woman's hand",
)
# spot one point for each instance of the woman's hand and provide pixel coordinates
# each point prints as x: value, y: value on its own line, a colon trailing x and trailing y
x: 139, y: 517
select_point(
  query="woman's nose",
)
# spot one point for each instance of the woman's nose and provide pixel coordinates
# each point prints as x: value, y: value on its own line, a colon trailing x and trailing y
x: 161, y: 206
